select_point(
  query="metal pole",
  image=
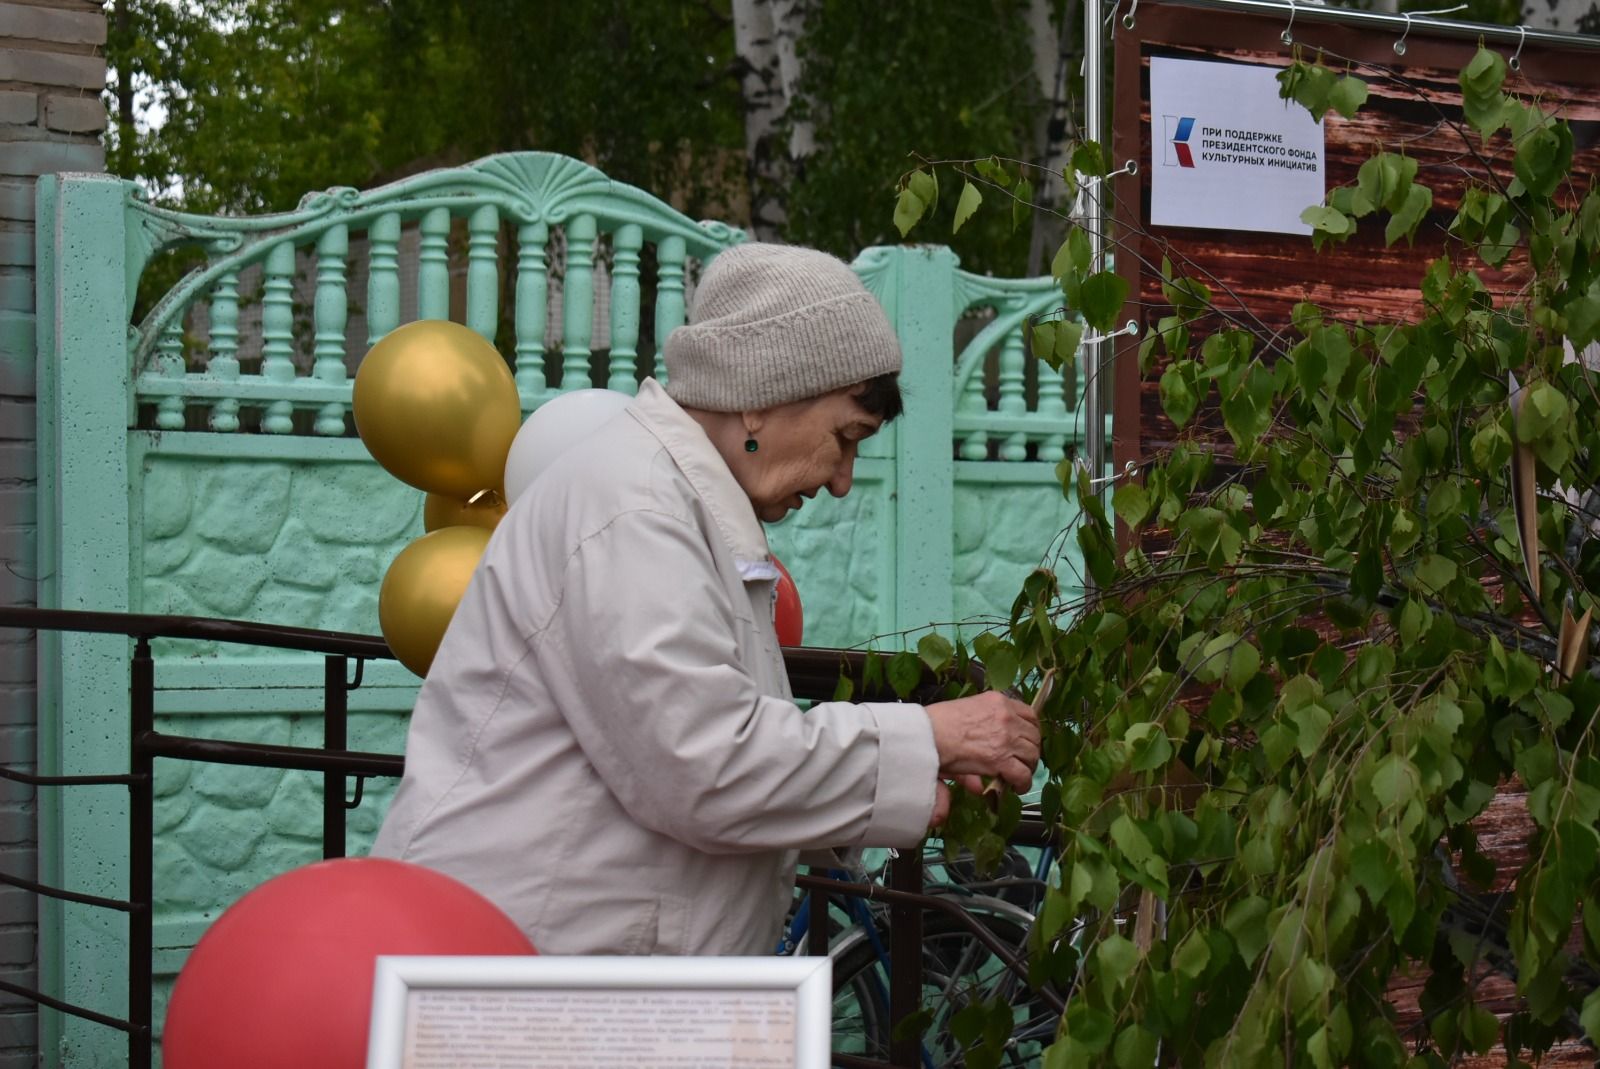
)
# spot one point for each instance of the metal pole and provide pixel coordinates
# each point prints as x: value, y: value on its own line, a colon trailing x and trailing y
x: 1094, y: 222
x: 905, y: 958
x: 335, y: 732
x: 141, y: 845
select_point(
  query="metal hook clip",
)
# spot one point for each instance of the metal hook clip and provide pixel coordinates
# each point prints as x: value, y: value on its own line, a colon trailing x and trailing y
x: 1400, y: 45
x: 1127, y: 20
x: 1130, y: 327
x: 1515, y: 62
x: 1287, y: 36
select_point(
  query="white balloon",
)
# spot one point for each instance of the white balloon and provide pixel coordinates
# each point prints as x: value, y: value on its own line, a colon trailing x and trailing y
x: 553, y: 428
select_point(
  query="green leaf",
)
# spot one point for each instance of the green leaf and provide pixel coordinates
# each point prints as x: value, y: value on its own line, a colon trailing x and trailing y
x: 1101, y: 297
x: 1064, y: 353
x: 1373, y: 868
x: 1135, y: 1048
x: 904, y: 673
x: 1090, y: 159
x: 1244, y: 660
x: 1589, y: 1016
x: 844, y: 689
x: 1435, y: 572
x: 1347, y: 95
x: 1178, y: 398
x: 1118, y: 958
x: 935, y: 651
x: 925, y: 186
x: 1404, y: 222
x: 1543, y: 159
x: 1131, y: 502
x: 1149, y: 745
x: 1395, y: 781
x: 908, y: 210
x: 1328, y: 222
x: 1192, y: 956
x: 1311, y: 724
x: 1021, y: 203
x: 1246, y: 921
x: 970, y: 199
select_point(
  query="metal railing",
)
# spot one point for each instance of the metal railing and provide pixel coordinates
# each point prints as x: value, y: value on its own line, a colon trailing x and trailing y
x: 813, y: 674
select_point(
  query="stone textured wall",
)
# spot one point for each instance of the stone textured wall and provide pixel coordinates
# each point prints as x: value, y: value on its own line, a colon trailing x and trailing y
x: 52, y: 69
x: 1003, y: 531
x: 301, y: 543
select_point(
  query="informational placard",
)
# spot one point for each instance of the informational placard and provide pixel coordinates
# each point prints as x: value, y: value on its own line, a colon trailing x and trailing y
x: 1229, y: 153
x: 567, y: 1013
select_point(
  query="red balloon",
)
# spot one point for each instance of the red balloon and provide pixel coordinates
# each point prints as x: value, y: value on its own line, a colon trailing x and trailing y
x: 284, y: 976
x: 786, y: 614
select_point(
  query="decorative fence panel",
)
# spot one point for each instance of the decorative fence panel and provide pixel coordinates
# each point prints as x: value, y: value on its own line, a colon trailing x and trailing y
x: 202, y: 461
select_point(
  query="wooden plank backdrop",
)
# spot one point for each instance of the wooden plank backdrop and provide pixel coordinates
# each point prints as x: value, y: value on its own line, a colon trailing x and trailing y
x: 1414, y: 104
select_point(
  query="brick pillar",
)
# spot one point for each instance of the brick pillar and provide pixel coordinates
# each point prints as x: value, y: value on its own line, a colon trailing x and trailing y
x: 52, y: 71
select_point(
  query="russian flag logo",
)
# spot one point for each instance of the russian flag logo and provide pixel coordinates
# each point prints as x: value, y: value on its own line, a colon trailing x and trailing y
x: 1178, y: 130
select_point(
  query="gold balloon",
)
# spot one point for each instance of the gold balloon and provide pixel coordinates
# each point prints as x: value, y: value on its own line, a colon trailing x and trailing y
x: 439, y: 512
x: 422, y: 588
x: 437, y: 406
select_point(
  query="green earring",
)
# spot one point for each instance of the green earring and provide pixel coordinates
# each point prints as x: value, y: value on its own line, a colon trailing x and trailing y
x: 751, y: 445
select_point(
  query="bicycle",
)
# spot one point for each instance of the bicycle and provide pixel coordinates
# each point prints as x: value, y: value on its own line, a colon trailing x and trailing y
x: 959, y: 968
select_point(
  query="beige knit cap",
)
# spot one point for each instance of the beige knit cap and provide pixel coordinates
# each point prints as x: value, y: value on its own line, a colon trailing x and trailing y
x: 773, y: 324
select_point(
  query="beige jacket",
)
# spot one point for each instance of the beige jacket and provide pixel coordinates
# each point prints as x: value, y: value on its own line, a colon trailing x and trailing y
x: 605, y: 745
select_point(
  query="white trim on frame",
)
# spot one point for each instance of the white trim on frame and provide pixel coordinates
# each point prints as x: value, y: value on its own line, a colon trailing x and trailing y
x: 604, y: 991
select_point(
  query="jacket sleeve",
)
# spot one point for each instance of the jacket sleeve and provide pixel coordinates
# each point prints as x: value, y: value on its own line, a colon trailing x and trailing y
x: 641, y: 657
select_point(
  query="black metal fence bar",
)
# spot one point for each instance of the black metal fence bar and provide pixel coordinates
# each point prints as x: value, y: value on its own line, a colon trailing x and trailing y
x: 265, y: 755
x: 141, y: 857
x: 64, y: 781
x: 335, y: 736
x: 66, y: 1007
x: 119, y: 904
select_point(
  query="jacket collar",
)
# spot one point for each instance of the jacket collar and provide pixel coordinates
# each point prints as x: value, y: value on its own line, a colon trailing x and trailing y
x: 686, y: 442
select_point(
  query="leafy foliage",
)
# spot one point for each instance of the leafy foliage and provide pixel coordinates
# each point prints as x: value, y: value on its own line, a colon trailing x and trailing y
x: 1327, y: 626
x: 267, y: 99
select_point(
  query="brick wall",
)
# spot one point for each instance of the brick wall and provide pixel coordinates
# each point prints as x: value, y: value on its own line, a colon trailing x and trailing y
x: 52, y: 69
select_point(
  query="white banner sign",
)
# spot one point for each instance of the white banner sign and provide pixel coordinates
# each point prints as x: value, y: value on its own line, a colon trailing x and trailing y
x: 1228, y: 153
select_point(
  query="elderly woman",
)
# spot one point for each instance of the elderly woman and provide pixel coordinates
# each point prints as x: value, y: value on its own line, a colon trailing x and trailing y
x: 605, y: 745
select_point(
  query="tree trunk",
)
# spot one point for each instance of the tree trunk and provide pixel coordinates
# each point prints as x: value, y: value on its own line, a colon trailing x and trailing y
x: 1053, y: 54
x: 766, y: 36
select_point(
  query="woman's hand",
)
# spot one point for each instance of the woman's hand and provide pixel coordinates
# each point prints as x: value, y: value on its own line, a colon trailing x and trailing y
x: 987, y: 734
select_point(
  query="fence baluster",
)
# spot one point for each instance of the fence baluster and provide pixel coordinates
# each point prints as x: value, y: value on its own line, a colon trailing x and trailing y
x: 170, y: 362
x: 383, y: 276
x: 483, y: 271
x: 577, y: 307
x: 1052, y: 407
x: 1012, y: 401
x: 975, y: 446
x: 331, y: 308
x: 277, y: 333
x: 224, y: 361
x: 670, y: 255
x: 433, y: 265
x: 533, y: 295
x: 625, y: 309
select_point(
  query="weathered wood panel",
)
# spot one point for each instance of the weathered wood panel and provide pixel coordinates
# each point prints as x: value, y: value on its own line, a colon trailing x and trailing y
x: 1257, y: 278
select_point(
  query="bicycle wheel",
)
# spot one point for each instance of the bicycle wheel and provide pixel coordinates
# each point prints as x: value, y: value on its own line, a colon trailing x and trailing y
x: 958, y: 970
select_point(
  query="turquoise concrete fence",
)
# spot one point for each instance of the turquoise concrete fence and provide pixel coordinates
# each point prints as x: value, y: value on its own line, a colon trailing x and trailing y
x: 202, y: 461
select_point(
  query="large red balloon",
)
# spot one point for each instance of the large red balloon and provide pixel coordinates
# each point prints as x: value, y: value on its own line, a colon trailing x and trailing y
x: 284, y: 976
x: 786, y: 614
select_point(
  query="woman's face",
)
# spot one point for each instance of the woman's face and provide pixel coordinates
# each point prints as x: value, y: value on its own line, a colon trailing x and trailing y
x: 803, y: 447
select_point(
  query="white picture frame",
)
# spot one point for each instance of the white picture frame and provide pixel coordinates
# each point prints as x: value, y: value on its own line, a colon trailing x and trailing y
x: 586, y: 1011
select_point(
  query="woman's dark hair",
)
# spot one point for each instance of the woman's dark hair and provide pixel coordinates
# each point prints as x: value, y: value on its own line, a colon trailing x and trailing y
x: 882, y: 396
